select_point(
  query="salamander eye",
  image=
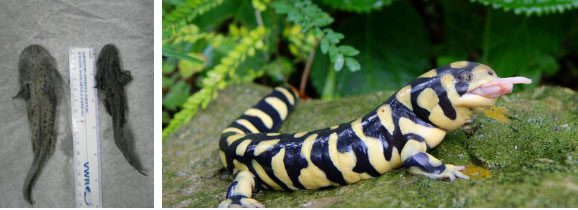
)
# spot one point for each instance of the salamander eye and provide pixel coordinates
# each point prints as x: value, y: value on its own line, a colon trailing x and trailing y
x: 465, y: 76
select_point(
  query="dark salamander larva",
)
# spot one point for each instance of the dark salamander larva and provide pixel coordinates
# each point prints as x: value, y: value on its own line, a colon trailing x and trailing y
x: 110, y: 80
x: 398, y: 133
x: 38, y: 76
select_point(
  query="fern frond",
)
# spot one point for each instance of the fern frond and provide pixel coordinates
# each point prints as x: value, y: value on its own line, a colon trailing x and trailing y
x: 190, y: 10
x: 300, y: 44
x: 190, y: 34
x: 311, y: 18
x: 178, y: 18
x: 531, y: 7
x: 218, y: 78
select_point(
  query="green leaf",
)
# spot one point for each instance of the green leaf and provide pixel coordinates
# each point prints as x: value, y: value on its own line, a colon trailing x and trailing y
x: 187, y: 68
x: 171, y: 53
x: 304, y: 13
x: 214, y: 17
x: 324, y: 46
x: 167, y: 82
x: 348, y: 50
x: 333, y: 53
x: 339, y: 60
x: 168, y: 66
x: 357, y: 5
x: 530, y: 7
x: 177, y: 95
x: 352, y: 64
x: 332, y: 36
x: 394, y: 51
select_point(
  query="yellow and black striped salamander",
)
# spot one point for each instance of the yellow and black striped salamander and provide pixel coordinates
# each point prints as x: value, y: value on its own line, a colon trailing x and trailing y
x: 399, y: 132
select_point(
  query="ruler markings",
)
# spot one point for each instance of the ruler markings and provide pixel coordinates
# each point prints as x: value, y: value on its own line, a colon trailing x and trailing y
x: 85, y: 128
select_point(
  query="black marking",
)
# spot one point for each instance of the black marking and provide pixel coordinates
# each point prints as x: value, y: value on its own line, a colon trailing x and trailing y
x: 420, y: 160
x: 236, y: 199
x: 462, y: 88
x: 231, y: 189
x: 444, y: 102
x: 347, y: 141
x: 320, y: 157
x: 418, y: 86
x: 268, y: 110
x: 264, y: 159
x: 255, y: 121
x: 293, y: 160
x: 275, y: 116
x: 416, y: 137
x: 235, y: 124
x: 372, y: 127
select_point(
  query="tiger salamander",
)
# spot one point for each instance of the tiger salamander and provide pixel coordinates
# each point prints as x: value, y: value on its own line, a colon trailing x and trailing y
x: 38, y: 77
x: 398, y: 133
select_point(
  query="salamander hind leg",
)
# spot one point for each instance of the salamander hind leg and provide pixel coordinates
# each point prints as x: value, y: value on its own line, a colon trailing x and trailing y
x: 240, y: 191
x: 417, y: 161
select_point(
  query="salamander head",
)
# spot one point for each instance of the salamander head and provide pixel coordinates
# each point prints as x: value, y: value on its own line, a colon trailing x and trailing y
x: 445, y: 96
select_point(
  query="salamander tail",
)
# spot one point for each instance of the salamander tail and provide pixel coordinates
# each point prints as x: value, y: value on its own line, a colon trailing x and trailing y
x: 124, y: 140
x: 267, y: 115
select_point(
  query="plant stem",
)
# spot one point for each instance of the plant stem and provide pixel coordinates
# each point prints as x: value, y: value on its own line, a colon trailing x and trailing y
x: 329, y: 87
x: 259, y: 18
x: 307, y: 69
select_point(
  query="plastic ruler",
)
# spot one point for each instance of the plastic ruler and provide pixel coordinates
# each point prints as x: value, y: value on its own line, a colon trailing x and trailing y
x: 85, y: 129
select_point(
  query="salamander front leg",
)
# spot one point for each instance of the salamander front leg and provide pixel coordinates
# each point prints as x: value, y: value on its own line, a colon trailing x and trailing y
x: 418, y: 161
x: 240, y: 191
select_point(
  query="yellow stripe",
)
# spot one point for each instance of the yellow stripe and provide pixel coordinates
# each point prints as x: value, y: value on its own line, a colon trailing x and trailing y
x: 345, y: 162
x: 411, y: 148
x: 433, y: 136
x: 240, y: 166
x: 263, y: 175
x: 234, y: 138
x: 459, y: 64
x: 404, y: 96
x: 248, y: 125
x: 374, y: 148
x: 299, y: 135
x: 223, y: 158
x: 395, y: 161
x: 385, y: 117
x: 311, y: 177
x: 234, y: 130
x: 264, y: 146
x: 288, y: 95
x: 245, y: 184
x: 279, y: 170
x: 428, y: 99
x: 278, y: 105
x: 265, y: 118
x: 242, y: 147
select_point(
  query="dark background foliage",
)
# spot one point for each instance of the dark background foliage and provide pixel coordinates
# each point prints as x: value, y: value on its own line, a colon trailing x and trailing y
x: 339, y: 48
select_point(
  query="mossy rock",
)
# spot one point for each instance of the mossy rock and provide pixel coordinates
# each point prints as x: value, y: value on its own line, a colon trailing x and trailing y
x: 522, y: 154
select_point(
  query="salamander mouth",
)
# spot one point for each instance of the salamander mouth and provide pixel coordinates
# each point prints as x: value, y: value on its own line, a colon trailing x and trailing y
x: 499, y: 87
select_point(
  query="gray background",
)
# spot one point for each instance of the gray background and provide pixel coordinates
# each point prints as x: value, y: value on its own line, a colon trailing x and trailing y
x: 58, y: 25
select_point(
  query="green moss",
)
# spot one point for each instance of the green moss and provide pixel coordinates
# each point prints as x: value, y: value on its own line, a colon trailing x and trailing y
x: 532, y: 159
